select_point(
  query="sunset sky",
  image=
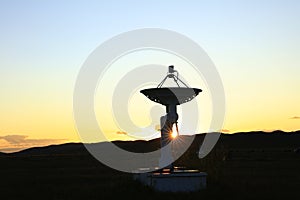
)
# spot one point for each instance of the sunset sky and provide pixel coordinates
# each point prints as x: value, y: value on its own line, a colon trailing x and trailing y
x: 255, y: 46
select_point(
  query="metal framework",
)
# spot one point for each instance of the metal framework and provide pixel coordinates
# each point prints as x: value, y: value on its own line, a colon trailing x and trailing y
x: 171, y: 74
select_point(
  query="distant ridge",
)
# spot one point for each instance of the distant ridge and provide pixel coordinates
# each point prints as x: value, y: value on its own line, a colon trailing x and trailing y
x: 3, y: 154
x: 253, y: 139
x: 260, y: 139
x: 67, y: 148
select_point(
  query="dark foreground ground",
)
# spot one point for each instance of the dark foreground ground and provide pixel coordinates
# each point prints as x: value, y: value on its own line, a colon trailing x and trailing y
x: 242, y: 166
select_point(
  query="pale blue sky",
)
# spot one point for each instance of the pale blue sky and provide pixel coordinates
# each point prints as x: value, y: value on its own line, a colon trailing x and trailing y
x: 254, y: 44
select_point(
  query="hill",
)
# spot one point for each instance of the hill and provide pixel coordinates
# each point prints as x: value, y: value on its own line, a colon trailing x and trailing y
x: 241, y: 140
x: 252, y: 165
x: 3, y: 154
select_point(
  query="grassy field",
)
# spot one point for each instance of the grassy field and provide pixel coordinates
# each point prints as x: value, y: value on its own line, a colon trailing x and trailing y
x: 261, y: 171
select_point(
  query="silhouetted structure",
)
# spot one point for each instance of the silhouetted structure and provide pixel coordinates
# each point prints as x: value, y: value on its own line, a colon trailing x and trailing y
x: 170, y: 97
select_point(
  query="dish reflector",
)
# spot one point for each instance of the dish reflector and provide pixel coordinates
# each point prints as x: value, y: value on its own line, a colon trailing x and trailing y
x: 171, y: 95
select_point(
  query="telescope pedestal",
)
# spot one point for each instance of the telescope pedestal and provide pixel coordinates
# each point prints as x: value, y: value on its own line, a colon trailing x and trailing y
x: 166, y: 151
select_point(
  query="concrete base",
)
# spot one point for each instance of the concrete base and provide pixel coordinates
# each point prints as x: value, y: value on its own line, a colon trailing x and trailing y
x: 174, y: 181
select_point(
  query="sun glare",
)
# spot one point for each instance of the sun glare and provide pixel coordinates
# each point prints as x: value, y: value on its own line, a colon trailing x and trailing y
x: 174, y: 133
